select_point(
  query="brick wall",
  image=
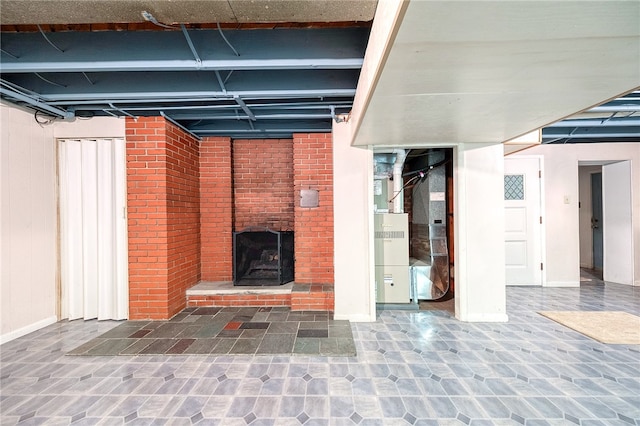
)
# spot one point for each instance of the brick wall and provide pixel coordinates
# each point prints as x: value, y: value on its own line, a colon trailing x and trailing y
x: 185, y: 199
x: 183, y: 215
x: 313, y: 169
x: 216, y: 209
x: 240, y: 300
x: 263, y: 184
x: 163, y: 217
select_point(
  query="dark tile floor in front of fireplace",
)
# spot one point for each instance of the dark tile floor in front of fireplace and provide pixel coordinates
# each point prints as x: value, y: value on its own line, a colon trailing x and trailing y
x: 228, y: 330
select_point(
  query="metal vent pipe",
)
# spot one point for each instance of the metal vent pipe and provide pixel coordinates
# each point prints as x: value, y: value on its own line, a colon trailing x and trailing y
x: 398, y: 201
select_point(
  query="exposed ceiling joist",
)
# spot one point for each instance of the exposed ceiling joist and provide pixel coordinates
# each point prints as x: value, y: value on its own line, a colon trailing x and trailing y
x: 118, y: 51
x: 457, y: 71
x: 205, y: 80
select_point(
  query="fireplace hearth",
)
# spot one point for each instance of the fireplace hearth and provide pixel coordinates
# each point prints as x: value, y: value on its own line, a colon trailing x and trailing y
x: 262, y: 258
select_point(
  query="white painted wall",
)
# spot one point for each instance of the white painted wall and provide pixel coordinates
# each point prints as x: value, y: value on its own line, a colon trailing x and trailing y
x: 28, y: 216
x: 584, y: 214
x: 353, y: 229
x: 97, y: 127
x: 617, y: 224
x: 27, y: 224
x: 562, y: 230
x: 480, y: 294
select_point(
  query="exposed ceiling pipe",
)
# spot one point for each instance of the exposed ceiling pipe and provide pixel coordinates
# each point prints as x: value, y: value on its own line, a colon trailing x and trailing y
x: 194, y: 96
x: 285, y: 130
x: 66, y: 115
x: 287, y: 105
x: 124, y: 112
x: 620, y: 135
x: 398, y: 198
x: 615, y: 108
x: 200, y: 116
x: 334, y: 116
x: 620, y: 122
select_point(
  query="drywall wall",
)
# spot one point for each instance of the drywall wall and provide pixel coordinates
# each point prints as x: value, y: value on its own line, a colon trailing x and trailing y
x: 479, y: 233
x: 562, y: 229
x: 28, y: 216
x: 97, y: 127
x: 354, y: 288
x: 27, y: 224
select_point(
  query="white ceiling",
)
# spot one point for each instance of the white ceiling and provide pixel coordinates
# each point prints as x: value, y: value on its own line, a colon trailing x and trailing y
x: 480, y: 71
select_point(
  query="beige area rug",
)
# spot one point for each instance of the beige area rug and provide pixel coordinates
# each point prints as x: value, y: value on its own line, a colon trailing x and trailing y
x: 613, y: 327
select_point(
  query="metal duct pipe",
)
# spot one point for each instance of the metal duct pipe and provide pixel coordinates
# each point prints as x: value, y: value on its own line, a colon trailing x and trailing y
x: 548, y: 136
x: 605, y: 122
x: 398, y: 200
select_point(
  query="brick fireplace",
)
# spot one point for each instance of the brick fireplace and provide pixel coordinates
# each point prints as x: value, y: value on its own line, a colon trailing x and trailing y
x: 186, y: 198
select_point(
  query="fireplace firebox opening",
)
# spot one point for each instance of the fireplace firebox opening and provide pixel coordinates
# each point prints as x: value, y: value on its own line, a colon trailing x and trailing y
x: 262, y: 258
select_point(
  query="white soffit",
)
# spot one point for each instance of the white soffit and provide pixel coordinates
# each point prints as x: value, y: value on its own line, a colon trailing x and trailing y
x: 490, y: 71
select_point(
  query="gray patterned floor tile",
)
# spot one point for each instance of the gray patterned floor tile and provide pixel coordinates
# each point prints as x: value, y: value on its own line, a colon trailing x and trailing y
x: 441, y: 407
x: 412, y: 367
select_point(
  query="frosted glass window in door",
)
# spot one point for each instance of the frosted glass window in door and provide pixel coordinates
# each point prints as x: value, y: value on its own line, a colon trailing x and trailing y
x: 514, y: 187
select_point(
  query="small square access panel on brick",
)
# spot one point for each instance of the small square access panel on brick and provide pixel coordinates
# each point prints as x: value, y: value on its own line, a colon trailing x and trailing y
x: 309, y: 198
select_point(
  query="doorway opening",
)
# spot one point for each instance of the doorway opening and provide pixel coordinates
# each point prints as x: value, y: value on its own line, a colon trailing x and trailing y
x: 413, y: 196
x: 590, y: 220
x: 93, y: 229
x: 605, y: 221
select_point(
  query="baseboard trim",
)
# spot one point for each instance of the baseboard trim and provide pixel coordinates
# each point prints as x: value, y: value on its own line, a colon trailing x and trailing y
x: 562, y: 284
x: 355, y: 318
x: 484, y: 318
x: 12, y: 335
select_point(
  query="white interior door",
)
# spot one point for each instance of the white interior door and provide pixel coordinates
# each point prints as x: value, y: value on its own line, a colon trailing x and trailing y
x: 523, y: 255
x: 93, y: 231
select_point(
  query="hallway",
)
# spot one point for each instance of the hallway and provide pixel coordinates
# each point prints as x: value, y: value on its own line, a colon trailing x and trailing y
x: 412, y: 367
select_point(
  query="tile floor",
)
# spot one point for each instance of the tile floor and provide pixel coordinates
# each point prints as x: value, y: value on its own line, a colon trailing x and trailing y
x: 228, y: 330
x: 412, y: 367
